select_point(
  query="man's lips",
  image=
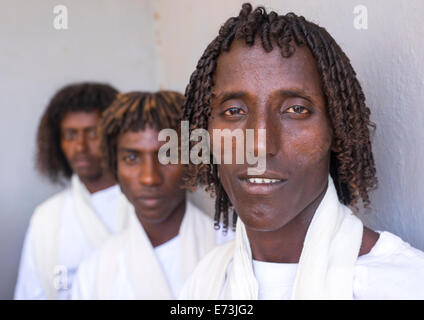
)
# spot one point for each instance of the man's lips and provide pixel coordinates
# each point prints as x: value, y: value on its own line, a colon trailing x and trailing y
x: 268, y: 174
x: 262, y: 188
x: 150, y: 201
x: 264, y: 184
x: 82, y: 161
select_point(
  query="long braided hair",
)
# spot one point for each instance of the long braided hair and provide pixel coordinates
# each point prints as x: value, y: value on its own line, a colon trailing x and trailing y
x: 76, y: 97
x: 352, y: 165
x: 134, y: 111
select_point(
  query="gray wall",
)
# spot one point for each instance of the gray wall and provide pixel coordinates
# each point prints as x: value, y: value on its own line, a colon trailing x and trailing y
x: 106, y: 41
x: 146, y: 44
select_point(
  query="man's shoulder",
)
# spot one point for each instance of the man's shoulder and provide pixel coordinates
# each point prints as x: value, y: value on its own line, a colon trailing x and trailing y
x: 207, y: 279
x: 199, y: 220
x: 197, y: 211
x: 216, y: 260
x: 50, y: 208
x: 112, y: 248
x: 221, y: 251
x: 391, y: 249
x: 393, y: 269
x: 100, y: 267
x: 116, y: 241
x: 106, y: 255
x: 52, y: 202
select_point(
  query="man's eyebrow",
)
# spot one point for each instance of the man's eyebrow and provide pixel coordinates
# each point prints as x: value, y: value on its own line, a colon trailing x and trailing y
x: 129, y: 150
x: 228, y: 95
x: 299, y: 93
x: 90, y: 128
x: 76, y: 129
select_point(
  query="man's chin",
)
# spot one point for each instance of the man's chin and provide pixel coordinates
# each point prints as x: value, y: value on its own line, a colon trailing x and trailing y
x: 261, y: 218
x: 88, y: 174
x: 150, y: 216
x: 259, y: 226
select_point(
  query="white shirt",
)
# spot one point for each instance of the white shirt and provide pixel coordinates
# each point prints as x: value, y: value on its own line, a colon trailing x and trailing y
x: 168, y: 255
x: 391, y: 270
x: 169, y: 260
x: 73, y: 245
x: 275, y: 280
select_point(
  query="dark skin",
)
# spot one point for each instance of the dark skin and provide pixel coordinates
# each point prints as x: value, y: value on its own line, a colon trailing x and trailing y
x: 258, y: 90
x: 153, y: 189
x: 80, y: 144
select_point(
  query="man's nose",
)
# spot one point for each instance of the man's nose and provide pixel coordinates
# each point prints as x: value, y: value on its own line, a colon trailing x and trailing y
x: 81, y: 143
x: 150, y: 174
x: 266, y: 123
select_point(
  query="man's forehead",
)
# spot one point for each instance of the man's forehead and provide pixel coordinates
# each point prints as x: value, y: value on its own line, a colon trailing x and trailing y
x: 142, y: 140
x: 252, y: 66
x: 240, y: 48
x: 80, y: 119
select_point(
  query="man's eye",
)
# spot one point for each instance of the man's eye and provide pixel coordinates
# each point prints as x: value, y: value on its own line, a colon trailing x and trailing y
x: 234, y: 111
x: 68, y: 135
x: 92, y: 133
x: 297, y: 109
x: 131, y: 158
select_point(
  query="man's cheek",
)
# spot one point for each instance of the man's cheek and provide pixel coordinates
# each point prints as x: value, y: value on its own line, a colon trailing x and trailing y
x: 124, y: 176
x: 95, y: 149
x: 310, y: 152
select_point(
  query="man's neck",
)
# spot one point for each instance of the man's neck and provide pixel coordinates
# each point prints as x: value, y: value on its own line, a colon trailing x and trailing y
x: 101, y: 182
x: 283, y: 245
x: 161, y: 232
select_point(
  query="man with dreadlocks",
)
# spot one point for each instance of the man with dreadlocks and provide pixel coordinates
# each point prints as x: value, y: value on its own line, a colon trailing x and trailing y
x: 297, y: 236
x: 68, y: 226
x: 167, y: 234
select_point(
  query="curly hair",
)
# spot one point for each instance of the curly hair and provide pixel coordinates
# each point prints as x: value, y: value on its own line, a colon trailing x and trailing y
x: 86, y: 97
x: 352, y: 165
x: 134, y: 111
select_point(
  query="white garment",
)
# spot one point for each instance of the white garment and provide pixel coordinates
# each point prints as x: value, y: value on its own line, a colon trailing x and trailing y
x: 121, y: 283
x: 391, y: 270
x: 326, y: 264
x: 275, y: 280
x: 136, y: 270
x: 69, y: 243
x: 169, y: 258
x: 228, y: 271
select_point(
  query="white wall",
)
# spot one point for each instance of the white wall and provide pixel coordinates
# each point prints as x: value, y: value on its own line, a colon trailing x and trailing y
x: 146, y: 44
x: 107, y: 41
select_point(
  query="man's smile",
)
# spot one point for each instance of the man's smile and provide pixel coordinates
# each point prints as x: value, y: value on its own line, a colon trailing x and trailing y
x: 261, y: 185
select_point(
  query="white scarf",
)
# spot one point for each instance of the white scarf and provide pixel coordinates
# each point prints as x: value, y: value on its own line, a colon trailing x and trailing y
x: 46, y: 225
x: 197, y: 237
x: 94, y: 229
x: 326, y: 265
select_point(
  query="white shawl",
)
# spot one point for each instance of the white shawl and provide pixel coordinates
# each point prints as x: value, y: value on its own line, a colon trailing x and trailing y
x: 46, y: 225
x: 197, y: 237
x: 94, y: 229
x: 326, y: 265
